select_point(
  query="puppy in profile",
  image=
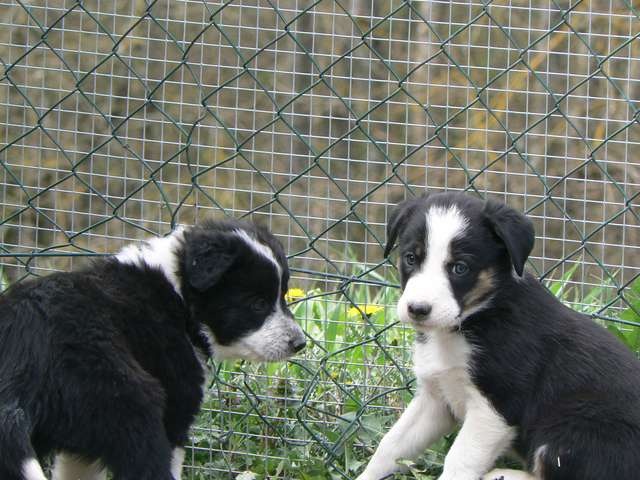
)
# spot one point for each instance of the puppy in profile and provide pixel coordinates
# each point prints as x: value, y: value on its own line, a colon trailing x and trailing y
x: 497, y: 354
x: 103, y: 366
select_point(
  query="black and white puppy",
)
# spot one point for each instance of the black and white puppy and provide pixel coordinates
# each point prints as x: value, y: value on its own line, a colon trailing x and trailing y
x: 498, y: 354
x: 102, y: 366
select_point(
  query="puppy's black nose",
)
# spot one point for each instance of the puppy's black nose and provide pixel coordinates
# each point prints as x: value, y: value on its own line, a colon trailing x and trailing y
x: 419, y: 310
x: 297, y: 345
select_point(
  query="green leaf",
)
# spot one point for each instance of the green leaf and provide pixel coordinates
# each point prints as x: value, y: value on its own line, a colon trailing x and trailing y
x: 632, y: 313
x: 351, y: 404
x: 557, y: 286
x: 634, y: 288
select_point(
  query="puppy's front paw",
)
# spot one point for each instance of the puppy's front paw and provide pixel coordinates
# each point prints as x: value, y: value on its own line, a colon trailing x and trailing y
x: 458, y: 476
x: 365, y: 476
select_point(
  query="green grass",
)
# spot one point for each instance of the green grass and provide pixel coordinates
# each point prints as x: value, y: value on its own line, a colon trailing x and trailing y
x: 319, y: 416
x: 598, y: 302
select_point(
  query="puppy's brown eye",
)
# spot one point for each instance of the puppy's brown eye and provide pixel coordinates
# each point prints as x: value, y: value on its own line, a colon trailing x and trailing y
x: 410, y: 259
x: 260, y: 305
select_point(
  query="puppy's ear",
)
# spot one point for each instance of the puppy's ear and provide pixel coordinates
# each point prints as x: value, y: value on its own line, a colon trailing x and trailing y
x: 514, y: 229
x: 398, y: 220
x: 208, y: 256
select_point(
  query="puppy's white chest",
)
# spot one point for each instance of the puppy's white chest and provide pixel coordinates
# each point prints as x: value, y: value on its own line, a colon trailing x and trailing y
x: 441, y: 364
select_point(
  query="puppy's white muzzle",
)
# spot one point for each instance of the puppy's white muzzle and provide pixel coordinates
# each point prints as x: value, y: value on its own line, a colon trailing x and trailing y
x: 428, y: 302
x: 277, y: 339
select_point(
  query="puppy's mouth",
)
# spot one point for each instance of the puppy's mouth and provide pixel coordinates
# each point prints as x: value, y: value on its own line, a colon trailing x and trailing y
x: 272, y: 356
x: 245, y: 351
x: 431, y: 323
x: 422, y: 325
x: 260, y: 347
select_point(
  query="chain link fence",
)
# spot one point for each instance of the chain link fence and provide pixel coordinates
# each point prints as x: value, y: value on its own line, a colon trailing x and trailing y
x: 120, y: 119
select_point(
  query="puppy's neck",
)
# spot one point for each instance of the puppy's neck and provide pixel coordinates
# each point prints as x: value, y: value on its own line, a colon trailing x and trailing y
x: 160, y: 253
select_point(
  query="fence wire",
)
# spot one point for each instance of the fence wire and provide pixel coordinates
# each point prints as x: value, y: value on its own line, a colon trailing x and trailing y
x: 120, y: 119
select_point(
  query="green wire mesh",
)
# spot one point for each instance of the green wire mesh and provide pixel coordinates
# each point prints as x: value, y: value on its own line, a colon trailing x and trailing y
x: 120, y: 119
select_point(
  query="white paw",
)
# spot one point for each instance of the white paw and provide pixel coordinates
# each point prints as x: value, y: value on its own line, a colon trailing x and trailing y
x: 364, y: 476
x: 377, y: 475
x: 447, y: 475
x: 503, y: 474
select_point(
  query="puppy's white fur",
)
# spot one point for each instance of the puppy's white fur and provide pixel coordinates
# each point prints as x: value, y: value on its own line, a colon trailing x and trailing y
x: 177, y: 460
x: 69, y: 467
x: 538, y: 459
x: 259, y: 248
x: 157, y: 252
x: 446, y: 392
x: 31, y: 470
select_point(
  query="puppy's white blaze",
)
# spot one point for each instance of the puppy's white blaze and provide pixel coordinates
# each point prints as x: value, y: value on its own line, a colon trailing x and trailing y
x: 177, y: 460
x: 259, y: 248
x: 431, y: 283
x: 158, y: 253
x: 31, y: 470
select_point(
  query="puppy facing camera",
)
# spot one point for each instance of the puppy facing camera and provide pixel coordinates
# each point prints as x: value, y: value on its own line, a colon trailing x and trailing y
x: 103, y: 367
x: 499, y: 355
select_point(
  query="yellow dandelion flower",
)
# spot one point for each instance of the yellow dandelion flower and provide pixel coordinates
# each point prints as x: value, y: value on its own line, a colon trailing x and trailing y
x: 294, y: 294
x: 368, y: 310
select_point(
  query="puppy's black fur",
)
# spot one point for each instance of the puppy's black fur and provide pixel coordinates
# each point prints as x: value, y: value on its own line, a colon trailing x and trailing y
x: 101, y: 362
x: 569, y: 386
